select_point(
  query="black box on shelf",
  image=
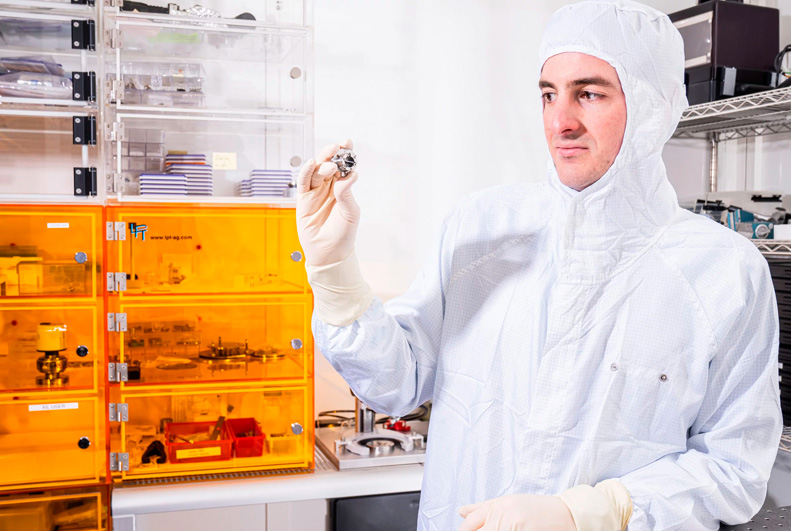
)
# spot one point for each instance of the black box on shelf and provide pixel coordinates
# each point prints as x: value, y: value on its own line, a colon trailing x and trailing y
x: 729, y: 48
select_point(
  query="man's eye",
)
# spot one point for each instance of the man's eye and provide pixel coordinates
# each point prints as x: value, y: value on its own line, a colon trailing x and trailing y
x: 590, y: 96
x: 549, y: 96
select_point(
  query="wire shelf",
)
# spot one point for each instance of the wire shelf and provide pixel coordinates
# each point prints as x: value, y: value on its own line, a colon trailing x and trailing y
x: 774, y: 247
x: 764, y: 113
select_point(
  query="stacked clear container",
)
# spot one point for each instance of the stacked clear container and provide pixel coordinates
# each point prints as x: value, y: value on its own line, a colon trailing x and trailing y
x: 234, y: 92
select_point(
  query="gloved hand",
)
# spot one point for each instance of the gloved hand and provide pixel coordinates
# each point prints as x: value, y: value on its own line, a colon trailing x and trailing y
x: 327, y: 220
x: 518, y: 512
x: 327, y: 214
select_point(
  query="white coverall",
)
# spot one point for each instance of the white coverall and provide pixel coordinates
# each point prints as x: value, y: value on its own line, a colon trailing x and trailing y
x: 571, y: 337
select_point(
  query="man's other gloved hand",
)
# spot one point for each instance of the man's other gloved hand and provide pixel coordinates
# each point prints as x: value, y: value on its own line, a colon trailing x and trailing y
x: 518, y: 512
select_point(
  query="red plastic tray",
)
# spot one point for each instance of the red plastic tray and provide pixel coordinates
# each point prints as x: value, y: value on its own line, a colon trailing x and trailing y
x: 246, y: 446
x: 201, y: 451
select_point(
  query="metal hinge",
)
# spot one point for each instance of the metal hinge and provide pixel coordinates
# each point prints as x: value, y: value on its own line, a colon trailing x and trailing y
x: 114, y: 90
x: 116, y: 322
x: 116, y: 282
x: 119, y: 372
x: 84, y: 130
x: 115, y: 231
x: 112, y: 38
x: 85, y: 181
x: 83, y: 86
x: 116, y: 182
x: 114, y: 132
x: 119, y: 462
x: 119, y: 412
x: 83, y: 35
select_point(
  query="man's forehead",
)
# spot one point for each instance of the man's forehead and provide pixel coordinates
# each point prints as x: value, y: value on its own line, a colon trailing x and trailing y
x: 577, y: 68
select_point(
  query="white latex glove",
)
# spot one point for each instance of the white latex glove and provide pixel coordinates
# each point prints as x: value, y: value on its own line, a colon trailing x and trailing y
x: 327, y: 220
x: 518, y: 512
x: 327, y: 214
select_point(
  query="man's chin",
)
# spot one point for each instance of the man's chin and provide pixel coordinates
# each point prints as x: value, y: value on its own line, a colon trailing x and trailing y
x: 575, y: 180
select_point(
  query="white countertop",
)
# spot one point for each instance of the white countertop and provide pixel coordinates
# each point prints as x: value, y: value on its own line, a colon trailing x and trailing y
x: 325, y: 483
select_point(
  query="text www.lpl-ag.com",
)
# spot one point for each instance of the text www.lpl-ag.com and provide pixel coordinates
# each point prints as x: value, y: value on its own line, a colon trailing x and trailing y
x: 170, y: 237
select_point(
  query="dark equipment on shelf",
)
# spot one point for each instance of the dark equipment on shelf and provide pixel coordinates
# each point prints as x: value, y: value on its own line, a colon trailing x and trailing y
x: 712, y: 83
x: 781, y: 278
x: 730, y: 49
x: 785, y: 76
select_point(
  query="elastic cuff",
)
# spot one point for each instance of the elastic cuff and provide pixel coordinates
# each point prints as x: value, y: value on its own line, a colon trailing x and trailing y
x: 605, y: 507
x: 340, y: 293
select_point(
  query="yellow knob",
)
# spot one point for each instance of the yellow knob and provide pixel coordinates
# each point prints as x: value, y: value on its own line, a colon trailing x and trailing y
x: 51, y: 337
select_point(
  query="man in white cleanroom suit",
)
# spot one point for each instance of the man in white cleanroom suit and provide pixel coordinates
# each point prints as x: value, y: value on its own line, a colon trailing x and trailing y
x: 597, y: 357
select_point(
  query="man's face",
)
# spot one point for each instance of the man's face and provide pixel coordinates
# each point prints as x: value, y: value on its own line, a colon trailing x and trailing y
x: 584, y: 116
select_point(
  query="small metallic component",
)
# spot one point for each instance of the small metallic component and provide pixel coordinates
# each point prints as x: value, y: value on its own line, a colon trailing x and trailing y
x: 380, y: 446
x: 296, y: 256
x: 296, y: 428
x: 663, y: 378
x: 84, y: 442
x: 81, y: 257
x: 296, y: 344
x: 614, y: 367
x: 346, y: 161
x: 82, y: 351
x: 227, y: 351
x: 268, y: 353
x: 51, y: 341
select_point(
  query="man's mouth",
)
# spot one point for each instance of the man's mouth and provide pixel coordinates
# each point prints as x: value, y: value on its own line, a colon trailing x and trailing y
x: 570, y: 151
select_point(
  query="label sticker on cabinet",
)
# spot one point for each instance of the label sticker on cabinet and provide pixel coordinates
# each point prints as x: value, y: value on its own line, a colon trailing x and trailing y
x: 53, y: 407
x: 224, y: 161
x: 57, y: 225
x: 198, y: 452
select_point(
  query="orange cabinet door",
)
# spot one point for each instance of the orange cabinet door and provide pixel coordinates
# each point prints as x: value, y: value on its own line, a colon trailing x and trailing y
x: 49, y: 349
x: 60, y: 509
x: 219, y: 343
x: 200, y: 432
x: 46, y: 443
x: 207, y: 250
x: 48, y: 253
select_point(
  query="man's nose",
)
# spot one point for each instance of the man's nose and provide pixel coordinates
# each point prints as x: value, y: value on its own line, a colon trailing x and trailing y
x: 565, y: 118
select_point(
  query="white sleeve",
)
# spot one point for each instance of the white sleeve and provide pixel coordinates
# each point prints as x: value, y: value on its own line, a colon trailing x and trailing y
x: 734, y: 441
x: 388, y: 356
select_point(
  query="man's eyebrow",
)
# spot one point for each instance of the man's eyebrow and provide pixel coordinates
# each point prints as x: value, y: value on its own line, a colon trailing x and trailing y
x: 595, y: 80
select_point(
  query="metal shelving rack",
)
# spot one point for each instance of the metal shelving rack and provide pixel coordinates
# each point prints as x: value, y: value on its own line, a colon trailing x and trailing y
x: 761, y: 114
x: 764, y: 113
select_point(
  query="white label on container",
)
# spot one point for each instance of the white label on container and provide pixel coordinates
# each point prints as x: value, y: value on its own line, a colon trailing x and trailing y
x: 57, y: 225
x: 224, y: 161
x: 53, y: 407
